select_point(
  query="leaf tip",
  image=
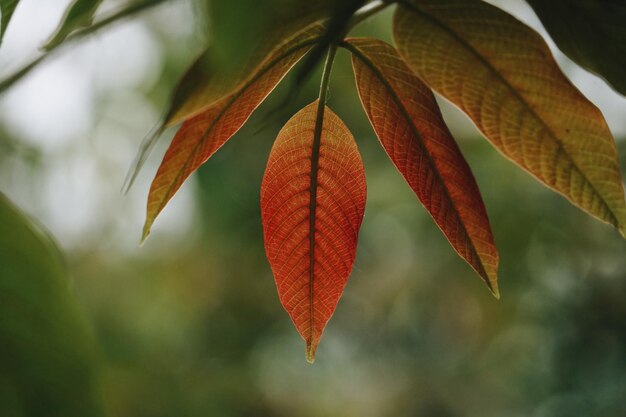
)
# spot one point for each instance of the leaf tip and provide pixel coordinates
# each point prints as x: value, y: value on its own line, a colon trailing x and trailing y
x: 310, y: 353
x: 145, y: 148
x: 146, y: 232
x: 496, y: 294
x: 621, y: 226
x: 492, y: 284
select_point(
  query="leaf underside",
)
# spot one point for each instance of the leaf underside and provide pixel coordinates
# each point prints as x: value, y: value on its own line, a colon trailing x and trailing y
x: 201, y: 136
x: 408, y: 122
x: 502, y: 74
x: 312, y: 210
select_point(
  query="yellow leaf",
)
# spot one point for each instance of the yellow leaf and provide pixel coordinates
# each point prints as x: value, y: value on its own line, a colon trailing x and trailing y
x: 502, y: 74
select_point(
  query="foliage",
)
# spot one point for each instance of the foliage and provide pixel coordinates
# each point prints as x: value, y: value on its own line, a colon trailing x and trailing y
x: 7, y: 7
x: 493, y: 67
x: 79, y: 15
x: 600, y: 43
x: 46, y: 346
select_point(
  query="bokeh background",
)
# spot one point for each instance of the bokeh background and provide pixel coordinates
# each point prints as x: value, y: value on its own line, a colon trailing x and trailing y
x: 190, y: 323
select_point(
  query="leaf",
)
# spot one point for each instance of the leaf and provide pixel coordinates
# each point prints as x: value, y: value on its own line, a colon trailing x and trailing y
x: 501, y: 73
x: 48, y: 365
x: 77, y: 16
x: 407, y: 120
x: 590, y: 32
x: 201, y: 136
x: 7, y: 7
x: 312, y: 203
x: 257, y: 23
x: 204, y: 83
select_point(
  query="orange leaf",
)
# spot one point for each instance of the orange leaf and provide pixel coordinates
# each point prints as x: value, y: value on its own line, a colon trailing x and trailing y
x: 502, y: 74
x: 312, y: 204
x: 201, y: 136
x: 407, y: 120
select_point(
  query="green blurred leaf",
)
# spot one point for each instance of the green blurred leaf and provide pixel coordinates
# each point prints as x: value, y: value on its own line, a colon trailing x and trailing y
x: 590, y: 32
x: 340, y: 15
x: 7, y: 7
x: 48, y: 356
x: 78, y: 15
x: 239, y: 29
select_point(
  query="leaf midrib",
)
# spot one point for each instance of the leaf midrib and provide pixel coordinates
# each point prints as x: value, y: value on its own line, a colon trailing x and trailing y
x: 315, y: 157
x: 531, y: 109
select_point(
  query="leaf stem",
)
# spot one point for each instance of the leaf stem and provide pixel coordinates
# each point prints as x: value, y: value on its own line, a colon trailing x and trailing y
x: 328, y: 65
x: 315, y: 157
x: 77, y: 35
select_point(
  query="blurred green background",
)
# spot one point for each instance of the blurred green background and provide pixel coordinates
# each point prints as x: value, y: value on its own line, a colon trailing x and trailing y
x: 190, y: 323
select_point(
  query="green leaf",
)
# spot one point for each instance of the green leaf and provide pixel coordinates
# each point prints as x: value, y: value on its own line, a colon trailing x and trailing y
x: 239, y: 30
x: 502, y: 74
x: 7, y: 7
x: 48, y: 360
x: 78, y: 15
x: 341, y: 14
x: 207, y: 80
x: 590, y: 32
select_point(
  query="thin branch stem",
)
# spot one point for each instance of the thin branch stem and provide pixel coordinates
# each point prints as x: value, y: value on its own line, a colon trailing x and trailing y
x: 328, y: 66
x: 79, y: 34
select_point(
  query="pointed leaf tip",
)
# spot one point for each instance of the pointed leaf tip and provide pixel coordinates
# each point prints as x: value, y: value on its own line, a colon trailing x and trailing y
x: 495, y: 291
x: 145, y: 233
x: 310, y: 353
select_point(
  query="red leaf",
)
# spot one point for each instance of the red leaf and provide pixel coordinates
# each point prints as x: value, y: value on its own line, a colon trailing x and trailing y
x: 201, y: 136
x: 407, y: 120
x: 312, y: 203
